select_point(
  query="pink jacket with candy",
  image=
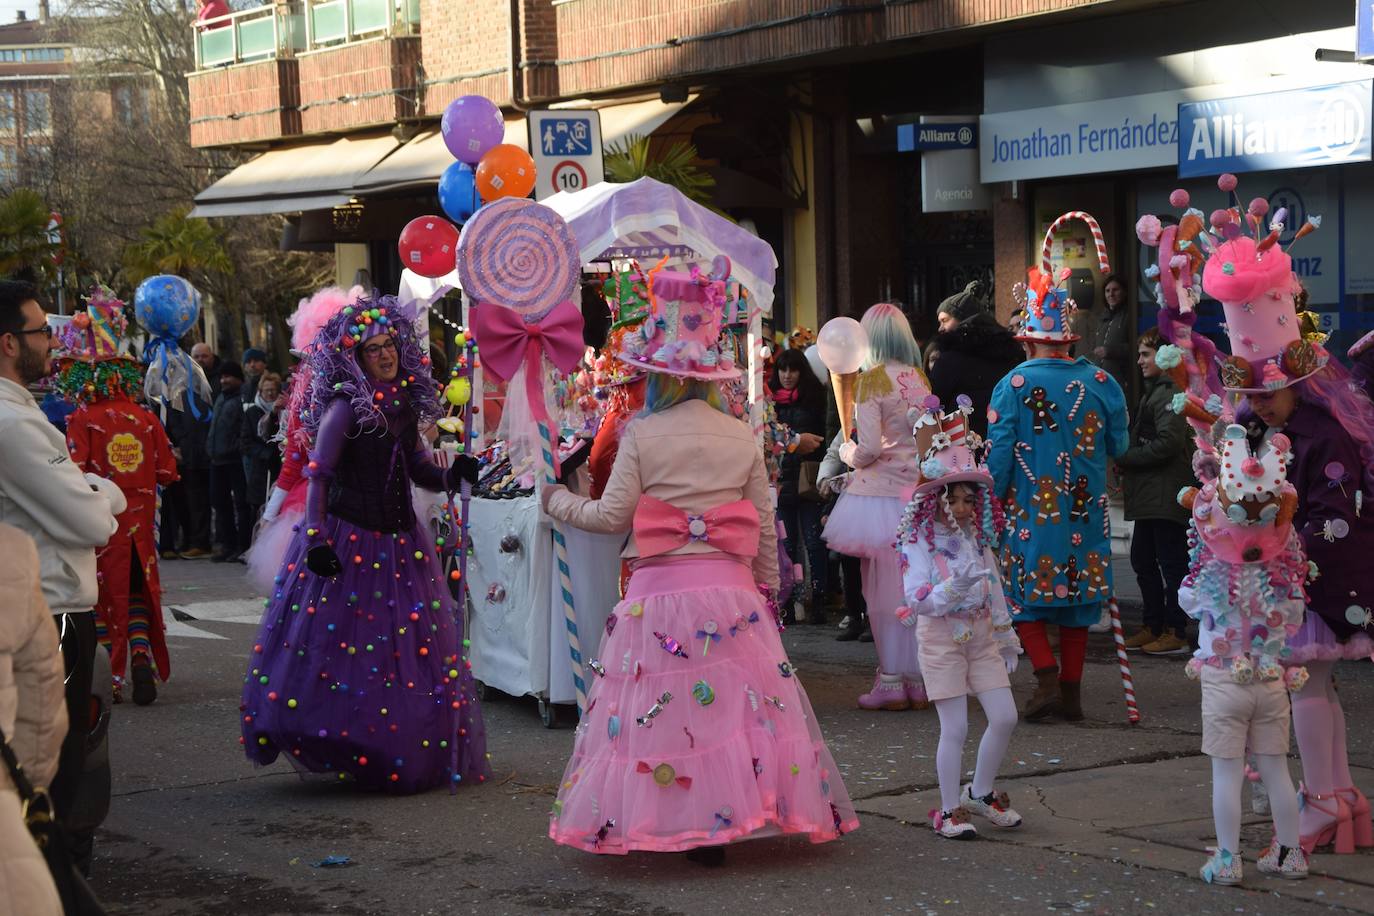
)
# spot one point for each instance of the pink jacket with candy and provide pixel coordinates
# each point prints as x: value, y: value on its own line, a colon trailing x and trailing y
x: 692, y: 457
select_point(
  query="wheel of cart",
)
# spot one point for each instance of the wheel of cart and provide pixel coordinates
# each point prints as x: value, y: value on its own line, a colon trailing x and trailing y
x: 556, y: 715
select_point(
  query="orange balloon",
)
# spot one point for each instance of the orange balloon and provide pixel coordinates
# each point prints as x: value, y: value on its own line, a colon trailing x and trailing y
x: 505, y: 171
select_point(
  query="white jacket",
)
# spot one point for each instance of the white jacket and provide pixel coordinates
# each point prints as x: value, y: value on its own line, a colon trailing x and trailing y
x: 44, y: 494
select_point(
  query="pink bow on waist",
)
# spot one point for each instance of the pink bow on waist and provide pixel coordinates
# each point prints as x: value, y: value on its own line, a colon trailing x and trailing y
x: 662, y: 527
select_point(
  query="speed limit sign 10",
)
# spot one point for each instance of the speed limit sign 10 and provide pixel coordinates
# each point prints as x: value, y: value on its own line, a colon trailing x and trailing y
x: 568, y: 176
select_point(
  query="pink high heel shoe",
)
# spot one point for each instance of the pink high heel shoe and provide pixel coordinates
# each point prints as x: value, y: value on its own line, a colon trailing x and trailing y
x: 1359, y: 815
x: 1340, y: 832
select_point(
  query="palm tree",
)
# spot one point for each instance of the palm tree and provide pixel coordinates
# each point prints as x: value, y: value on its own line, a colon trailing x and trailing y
x: 24, y: 241
x: 177, y: 244
x: 630, y: 158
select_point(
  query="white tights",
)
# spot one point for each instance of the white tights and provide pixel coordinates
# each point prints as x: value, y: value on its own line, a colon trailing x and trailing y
x: 1000, y: 709
x: 1228, y: 779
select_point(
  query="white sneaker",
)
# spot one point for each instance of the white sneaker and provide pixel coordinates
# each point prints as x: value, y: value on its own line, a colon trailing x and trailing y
x: 844, y: 623
x: 995, y: 806
x: 1104, y: 623
x: 953, y: 825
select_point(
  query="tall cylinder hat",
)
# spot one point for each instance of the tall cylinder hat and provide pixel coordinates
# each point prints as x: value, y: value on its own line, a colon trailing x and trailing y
x: 680, y: 336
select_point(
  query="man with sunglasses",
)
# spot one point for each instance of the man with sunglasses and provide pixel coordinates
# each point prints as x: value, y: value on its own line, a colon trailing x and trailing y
x: 68, y: 514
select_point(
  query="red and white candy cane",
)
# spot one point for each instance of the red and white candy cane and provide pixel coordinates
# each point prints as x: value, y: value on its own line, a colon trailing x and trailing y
x: 1124, y: 662
x: 1092, y: 226
x: 1078, y: 401
x: 1021, y: 459
x: 1106, y: 517
x: 1067, y: 463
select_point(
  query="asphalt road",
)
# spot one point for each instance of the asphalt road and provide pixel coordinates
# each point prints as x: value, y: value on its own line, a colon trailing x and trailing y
x: 1116, y: 816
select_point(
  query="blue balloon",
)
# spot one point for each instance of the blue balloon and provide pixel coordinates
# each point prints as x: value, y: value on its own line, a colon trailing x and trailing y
x: 458, y: 192
x: 166, y: 306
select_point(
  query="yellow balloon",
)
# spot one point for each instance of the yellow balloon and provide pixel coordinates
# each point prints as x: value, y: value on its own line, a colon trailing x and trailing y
x: 458, y: 392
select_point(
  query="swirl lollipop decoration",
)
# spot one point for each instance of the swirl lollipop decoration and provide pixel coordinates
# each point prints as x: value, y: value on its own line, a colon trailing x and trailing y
x: 521, y: 255
x: 521, y: 264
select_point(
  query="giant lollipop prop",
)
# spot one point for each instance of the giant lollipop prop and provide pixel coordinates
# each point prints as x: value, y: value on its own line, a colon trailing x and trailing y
x: 167, y: 307
x: 519, y: 262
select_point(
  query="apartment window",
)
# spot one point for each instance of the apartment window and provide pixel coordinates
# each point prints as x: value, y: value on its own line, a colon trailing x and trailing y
x: 6, y: 113
x: 9, y: 56
x: 123, y: 98
x: 37, y: 111
x: 44, y: 55
x: 8, y: 172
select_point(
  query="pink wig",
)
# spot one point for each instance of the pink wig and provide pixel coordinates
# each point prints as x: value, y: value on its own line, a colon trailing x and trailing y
x: 1334, y: 390
x: 313, y: 313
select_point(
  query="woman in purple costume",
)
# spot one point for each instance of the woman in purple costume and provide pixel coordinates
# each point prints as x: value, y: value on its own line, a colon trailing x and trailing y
x: 359, y: 667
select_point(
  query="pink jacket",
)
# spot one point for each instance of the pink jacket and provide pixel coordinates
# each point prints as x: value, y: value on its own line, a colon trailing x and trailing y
x: 884, y: 458
x: 691, y: 456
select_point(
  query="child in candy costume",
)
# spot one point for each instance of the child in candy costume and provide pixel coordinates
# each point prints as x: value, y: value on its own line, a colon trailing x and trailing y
x: 111, y: 436
x: 968, y: 646
x: 286, y: 504
x: 870, y: 507
x: 697, y: 731
x: 1245, y: 588
x: 1052, y: 424
x: 359, y: 666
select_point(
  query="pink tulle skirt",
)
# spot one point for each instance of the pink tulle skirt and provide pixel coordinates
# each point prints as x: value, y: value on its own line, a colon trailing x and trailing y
x: 864, y: 526
x: 1314, y: 642
x: 272, y: 539
x: 721, y: 745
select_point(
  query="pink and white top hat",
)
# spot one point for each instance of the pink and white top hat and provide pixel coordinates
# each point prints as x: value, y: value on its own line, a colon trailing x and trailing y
x: 948, y: 449
x: 680, y: 337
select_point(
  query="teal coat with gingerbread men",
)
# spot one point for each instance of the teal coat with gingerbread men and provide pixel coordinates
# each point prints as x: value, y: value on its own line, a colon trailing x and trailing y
x: 1052, y: 426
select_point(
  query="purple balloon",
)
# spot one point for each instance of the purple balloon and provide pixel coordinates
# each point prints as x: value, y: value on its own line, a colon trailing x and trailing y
x: 472, y: 124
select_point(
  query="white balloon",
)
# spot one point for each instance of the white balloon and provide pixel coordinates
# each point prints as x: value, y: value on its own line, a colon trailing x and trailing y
x: 813, y: 357
x: 843, y: 345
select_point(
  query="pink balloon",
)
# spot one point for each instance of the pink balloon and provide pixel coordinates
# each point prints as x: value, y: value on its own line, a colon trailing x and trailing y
x: 842, y: 345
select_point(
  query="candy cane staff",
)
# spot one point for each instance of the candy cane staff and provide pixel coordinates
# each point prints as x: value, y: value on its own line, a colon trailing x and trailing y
x: 1056, y: 557
x: 968, y: 646
x: 286, y: 504
x: 698, y: 731
x: 111, y: 436
x: 358, y: 670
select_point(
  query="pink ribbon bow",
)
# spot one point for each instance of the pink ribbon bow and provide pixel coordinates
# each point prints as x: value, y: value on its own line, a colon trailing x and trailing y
x: 662, y: 527
x: 506, y: 341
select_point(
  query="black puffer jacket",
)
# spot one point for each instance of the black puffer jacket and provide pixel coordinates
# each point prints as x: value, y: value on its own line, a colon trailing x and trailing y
x: 972, y: 359
x: 800, y: 418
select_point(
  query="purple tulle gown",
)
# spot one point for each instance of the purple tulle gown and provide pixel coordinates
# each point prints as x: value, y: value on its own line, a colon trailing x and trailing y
x: 365, y: 674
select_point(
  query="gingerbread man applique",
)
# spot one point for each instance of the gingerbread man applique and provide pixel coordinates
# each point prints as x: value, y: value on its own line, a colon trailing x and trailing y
x: 1041, y: 408
x: 1087, y: 434
x: 1012, y: 506
x: 1095, y: 572
x: 1082, y: 500
x: 1072, y: 576
x: 1046, y: 501
x: 1045, y: 571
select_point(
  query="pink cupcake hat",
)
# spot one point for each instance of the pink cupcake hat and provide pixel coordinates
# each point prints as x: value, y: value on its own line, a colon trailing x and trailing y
x: 1253, y: 279
x: 680, y: 335
x: 947, y: 448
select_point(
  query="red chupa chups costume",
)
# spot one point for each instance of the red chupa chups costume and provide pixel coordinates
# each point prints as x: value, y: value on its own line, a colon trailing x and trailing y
x: 111, y: 436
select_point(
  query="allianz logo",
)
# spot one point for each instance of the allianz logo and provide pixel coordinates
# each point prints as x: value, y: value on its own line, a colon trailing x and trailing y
x: 1335, y: 129
x: 962, y: 135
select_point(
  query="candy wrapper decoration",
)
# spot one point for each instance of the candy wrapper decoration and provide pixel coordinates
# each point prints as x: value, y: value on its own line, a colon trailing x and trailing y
x: 93, y: 359
x: 167, y: 307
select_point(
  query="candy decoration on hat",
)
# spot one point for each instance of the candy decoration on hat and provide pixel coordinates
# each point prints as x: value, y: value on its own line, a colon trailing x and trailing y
x: 1093, y: 227
x: 1047, y: 305
x: 93, y: 362
x: 680, y: 336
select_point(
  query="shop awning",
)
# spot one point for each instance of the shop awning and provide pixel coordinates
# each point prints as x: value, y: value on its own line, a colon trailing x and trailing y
x: 307, y: 176
x: 424, y: 158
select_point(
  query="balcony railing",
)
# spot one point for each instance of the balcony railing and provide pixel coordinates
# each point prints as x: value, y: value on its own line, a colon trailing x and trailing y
x: 284, y: 30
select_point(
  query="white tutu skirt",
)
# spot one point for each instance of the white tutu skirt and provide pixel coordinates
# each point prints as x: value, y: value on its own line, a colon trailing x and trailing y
x: 864, y: 526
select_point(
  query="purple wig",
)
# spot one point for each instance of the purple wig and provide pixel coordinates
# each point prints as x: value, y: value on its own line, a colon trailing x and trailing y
x: 918, y: 519
x: 336, y: 372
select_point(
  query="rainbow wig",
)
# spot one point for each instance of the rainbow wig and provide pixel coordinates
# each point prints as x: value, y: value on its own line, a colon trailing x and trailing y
x: 336, y: 373
x: 918, y: 519
x: 889, y: 337
x: 663, y: 391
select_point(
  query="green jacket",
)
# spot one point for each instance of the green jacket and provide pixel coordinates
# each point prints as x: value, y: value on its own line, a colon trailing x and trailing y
x: 1159, y: 461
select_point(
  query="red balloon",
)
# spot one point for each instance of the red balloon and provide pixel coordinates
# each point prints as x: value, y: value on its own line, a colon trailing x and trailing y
x: 429, y: 246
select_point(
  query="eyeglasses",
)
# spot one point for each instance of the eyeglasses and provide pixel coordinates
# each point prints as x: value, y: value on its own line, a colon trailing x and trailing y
x: 45, y: 330
x: 372, y: 351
